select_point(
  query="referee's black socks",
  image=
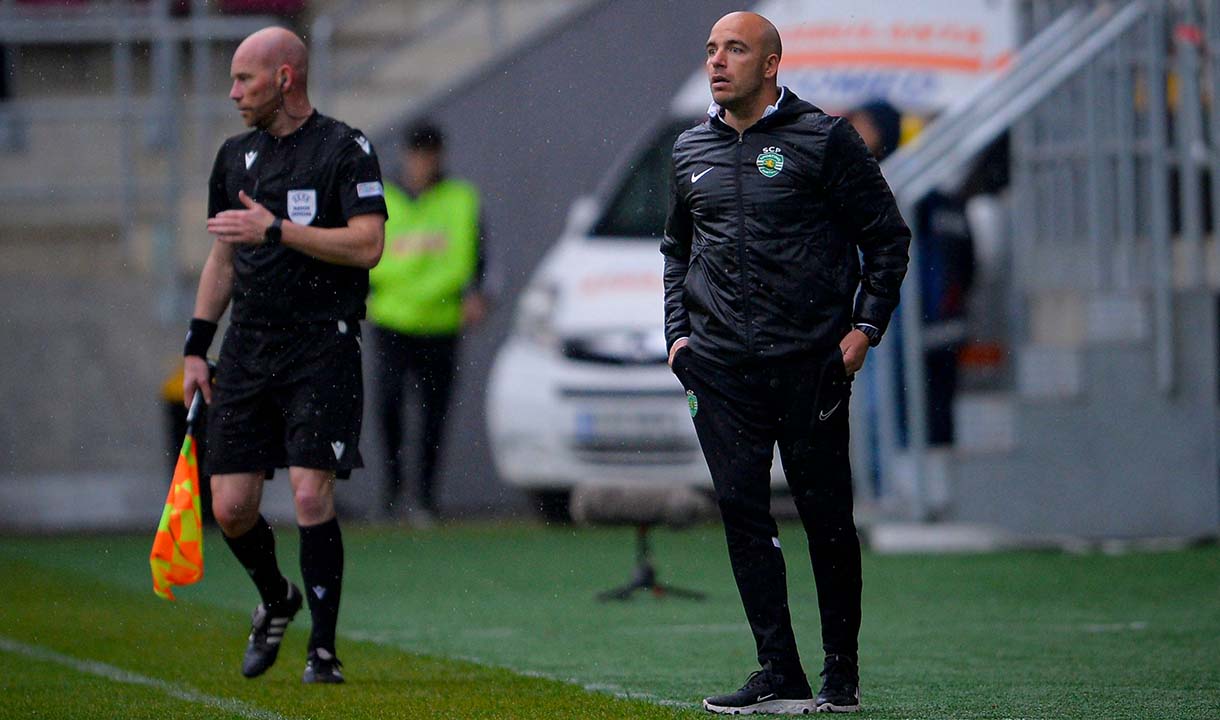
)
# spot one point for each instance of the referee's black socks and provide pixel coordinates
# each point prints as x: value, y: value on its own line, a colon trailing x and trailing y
x: 322, y: 571
x: 255, y: 550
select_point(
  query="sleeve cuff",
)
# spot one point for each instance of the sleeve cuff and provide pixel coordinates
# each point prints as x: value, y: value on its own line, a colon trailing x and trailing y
x: 871, y: 331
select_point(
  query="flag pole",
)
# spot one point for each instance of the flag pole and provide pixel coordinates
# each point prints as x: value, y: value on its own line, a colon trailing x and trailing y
x: 193, y: 413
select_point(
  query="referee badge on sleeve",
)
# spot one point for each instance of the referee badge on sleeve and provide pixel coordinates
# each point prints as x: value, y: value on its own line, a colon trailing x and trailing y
x: 302, y: 206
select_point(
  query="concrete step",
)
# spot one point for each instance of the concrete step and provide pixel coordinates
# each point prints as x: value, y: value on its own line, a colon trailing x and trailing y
x: 905, y: 499
x: 1196, y: 264
x: 1053, y: 266
x: 1077, y: 318
x: 1091, y: 472
x: 1118, y: 468
x: 1049, y: 373
x: 1117, y: 318
x: 1119, y: 458
x: 386, y: 20
x: 412, y: 74
x: 1120, y: 378
x: 900, y: 538
x: 991, y: 422
x: 985, y: 422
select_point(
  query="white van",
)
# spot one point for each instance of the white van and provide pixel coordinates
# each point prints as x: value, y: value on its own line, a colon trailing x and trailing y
x: 581, y: 392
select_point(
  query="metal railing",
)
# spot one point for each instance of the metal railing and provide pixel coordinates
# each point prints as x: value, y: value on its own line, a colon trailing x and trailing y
x: 1097, y: 141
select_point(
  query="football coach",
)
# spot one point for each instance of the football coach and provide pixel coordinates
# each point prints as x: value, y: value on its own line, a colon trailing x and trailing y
x: 298, y: 214
x: 784, y: 252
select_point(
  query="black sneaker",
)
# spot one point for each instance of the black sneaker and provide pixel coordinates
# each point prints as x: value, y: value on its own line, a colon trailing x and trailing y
x: 267, y: 630
x: 322, y: 667
x: 841, y: 685
x: 766, y: 691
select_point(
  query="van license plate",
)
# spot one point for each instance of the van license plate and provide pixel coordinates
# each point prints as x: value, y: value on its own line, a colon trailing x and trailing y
x: 603, y: 426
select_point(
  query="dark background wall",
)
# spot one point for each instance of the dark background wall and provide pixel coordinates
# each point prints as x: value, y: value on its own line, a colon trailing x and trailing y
x: 534, y: 132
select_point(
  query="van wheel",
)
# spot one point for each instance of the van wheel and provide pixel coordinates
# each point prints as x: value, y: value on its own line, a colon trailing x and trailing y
x: 553, y: 506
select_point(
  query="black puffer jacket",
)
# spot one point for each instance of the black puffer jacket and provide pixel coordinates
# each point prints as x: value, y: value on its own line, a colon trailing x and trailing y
x: 761, y: 243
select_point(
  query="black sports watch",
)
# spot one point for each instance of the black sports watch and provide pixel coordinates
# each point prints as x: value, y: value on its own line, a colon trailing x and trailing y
x: 871, y: 332
x: 274, y: 234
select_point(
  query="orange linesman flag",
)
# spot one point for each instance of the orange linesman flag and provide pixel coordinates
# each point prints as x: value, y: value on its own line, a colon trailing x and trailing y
x: 177, y: 552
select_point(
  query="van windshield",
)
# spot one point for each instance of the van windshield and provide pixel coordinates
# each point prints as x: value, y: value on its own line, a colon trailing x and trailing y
x: 638, y: 206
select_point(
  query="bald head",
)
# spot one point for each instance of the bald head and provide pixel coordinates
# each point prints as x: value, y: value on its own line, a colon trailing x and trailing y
x: 757, y: 28
x: 276, y: 47
x: 743, y: 52
x: 270, y: 70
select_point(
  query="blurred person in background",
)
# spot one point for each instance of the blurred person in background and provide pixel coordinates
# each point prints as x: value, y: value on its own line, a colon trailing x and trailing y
x: 297, y: 211
x: 946, y: 274
x: 428, y: 287
x: 769, y: 313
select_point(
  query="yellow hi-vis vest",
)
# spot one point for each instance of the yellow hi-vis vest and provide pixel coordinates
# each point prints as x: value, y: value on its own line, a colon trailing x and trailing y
x: 430, y: 256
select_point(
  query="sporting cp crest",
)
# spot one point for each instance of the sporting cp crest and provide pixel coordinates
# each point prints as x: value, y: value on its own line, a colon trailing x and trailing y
x: 302, y: 206
x: 692, y: 402
x: 770, y: 162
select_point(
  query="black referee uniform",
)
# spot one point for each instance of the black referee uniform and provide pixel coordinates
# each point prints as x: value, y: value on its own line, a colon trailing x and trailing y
x: 763, y: 275
x: 288, y: 387
x: 288, y: 382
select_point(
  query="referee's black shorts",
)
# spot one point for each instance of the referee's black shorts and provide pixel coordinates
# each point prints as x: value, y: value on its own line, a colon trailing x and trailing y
x: 287, y: 396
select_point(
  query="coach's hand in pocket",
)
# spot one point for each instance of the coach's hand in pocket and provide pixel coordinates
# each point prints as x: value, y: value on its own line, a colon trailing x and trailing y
x: 854, y: 347
x: 673, y: 351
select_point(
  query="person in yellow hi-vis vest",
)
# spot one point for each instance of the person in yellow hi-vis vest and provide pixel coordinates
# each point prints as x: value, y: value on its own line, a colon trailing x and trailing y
x: 426, y: 289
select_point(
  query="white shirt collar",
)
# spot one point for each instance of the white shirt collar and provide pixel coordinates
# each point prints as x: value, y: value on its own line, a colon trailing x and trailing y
x: 714, y: 109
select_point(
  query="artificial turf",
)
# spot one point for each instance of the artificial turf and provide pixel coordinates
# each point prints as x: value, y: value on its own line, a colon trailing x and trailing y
x: 485, y: 620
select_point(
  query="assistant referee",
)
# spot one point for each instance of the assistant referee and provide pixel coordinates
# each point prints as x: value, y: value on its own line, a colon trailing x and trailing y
x: 297, y: 210
x: 768, y: 314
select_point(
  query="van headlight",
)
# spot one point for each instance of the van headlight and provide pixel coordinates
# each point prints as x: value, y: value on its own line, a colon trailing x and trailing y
x: 536, y: 314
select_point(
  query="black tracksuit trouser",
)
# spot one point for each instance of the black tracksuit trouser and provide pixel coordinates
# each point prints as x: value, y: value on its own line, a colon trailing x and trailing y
x: 429, y: 362
x: 740, y: 414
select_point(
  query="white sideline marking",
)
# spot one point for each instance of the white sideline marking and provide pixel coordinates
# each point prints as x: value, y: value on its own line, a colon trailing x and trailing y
x: 393, y: 637
x: 1116, y: 627
x: 119, y: 675
x: 700, y: 629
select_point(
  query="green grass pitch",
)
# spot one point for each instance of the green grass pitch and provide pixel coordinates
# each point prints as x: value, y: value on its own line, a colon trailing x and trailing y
x: 499, y: 621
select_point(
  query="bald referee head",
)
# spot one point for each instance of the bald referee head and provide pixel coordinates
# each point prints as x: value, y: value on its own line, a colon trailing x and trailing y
x: 270, y: 70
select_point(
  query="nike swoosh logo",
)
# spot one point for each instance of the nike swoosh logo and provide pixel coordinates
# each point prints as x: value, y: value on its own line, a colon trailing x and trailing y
x: 695, y: 178
x: 823, y: 415
x: 765, y: 697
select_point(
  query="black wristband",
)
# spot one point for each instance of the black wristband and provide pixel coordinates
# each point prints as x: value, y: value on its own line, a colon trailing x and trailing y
x: 273, y: 235
x: 199, y: 337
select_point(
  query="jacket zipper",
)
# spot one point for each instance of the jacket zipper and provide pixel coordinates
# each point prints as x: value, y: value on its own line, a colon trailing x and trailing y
x: 746, y: 309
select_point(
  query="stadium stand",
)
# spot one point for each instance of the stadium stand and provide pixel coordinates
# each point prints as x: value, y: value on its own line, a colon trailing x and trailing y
x: 111, y: 114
